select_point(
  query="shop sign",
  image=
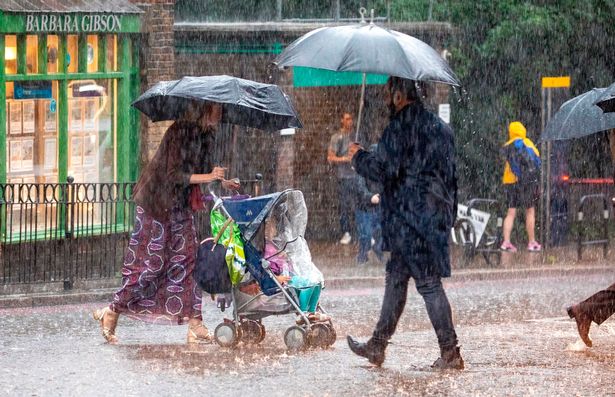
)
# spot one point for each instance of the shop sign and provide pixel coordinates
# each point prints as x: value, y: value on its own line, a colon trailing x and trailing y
x: 32, y: 89
x: 73, y: 23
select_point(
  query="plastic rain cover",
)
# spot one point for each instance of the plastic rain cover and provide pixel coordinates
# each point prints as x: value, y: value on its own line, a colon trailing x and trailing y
x: 285, y: 227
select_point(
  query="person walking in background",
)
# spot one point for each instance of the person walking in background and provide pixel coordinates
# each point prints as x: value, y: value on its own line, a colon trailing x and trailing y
x: 414, y: 163
x: 366, y: 204
x: 521, y: 184
x: 337, y: 156
x: 157, y: 281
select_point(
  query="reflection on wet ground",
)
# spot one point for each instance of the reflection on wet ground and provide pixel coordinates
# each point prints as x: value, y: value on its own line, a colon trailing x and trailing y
x: 515, y: 337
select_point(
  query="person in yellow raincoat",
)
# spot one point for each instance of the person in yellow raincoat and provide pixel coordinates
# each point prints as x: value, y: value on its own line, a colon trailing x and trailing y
x: 521, y: 184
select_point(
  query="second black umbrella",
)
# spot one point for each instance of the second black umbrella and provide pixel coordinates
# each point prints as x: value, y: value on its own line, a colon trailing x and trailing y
x: 244, y: 102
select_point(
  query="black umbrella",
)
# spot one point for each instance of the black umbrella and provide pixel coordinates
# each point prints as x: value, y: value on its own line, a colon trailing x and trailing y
x: 367, y: 48
x: 606, y: 101
x: 245, y: 102
x: 579, y: 117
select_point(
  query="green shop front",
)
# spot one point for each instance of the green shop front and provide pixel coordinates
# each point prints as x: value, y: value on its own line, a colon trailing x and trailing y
x: 68, y: 136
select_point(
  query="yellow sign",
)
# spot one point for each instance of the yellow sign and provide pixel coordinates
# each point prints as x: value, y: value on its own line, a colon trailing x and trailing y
x: 556, y: 82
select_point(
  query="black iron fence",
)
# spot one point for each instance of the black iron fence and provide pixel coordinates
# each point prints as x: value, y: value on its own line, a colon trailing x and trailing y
x: 63, y: 232
x: 600, y: 216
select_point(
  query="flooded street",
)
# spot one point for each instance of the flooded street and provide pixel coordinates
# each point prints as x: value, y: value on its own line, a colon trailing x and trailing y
x: 515, y: 338
x: 151, y: 150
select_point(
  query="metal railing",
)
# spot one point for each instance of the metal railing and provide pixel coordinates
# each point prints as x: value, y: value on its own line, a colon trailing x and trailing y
x: 604, y: 239
x: 63, y: 232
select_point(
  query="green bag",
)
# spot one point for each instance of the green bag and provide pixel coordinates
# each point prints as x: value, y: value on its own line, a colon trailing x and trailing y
x: 231, y: 239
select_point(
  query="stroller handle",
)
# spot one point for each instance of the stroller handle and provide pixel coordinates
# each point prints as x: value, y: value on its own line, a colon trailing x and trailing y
x: 216, y: 199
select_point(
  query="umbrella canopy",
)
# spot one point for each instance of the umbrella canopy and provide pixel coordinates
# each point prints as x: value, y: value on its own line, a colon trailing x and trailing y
x: 579, y: 117
x: 606, y: 101
x: 244, y: 102
x: 368, y: 48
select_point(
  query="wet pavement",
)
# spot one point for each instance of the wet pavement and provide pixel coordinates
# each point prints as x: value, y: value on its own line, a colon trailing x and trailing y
x: 515, y: 337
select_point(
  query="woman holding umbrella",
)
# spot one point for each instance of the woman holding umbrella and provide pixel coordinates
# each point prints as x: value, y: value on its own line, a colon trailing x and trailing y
x: 157, y: 284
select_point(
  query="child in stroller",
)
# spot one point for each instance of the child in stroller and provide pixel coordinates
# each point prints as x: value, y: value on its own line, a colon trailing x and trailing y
x: 272, y: 229
x: 307, y: 290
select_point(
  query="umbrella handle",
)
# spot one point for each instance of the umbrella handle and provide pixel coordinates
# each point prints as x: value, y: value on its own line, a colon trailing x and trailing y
x: 360, y: 107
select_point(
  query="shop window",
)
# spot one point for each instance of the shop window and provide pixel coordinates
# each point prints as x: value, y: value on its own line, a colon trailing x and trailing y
x: 31, y: 54
x: 91, y: 131
x: 112, y: 52
x: 10, y: 54
x: 72, y: 58
x: 52, y: 53
x: 92, y: 53
x: 32, y: 132
x: 31, y: 153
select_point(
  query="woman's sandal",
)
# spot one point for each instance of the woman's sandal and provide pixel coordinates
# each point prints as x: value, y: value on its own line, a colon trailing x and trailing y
x: 198, y: 334
x: 108, y: 327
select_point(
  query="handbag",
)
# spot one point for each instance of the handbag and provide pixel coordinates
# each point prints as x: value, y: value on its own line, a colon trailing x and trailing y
x: 211, y: 271
x: 196, y: 198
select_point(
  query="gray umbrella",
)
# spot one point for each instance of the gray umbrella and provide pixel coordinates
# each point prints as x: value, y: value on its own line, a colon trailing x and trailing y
x: 579, y: 117
x: 244, y: 102
x: 606, y: 102
x: 367, y: 48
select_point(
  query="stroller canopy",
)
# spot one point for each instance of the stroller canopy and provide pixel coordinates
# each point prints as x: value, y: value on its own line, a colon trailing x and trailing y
x: 250, y: 213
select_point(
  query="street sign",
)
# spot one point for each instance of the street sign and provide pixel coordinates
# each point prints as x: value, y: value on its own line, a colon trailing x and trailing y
x: 555, y: 91
x: 556, y: 82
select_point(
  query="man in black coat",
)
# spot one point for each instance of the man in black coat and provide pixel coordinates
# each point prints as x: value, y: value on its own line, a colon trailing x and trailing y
x: 415, y: 165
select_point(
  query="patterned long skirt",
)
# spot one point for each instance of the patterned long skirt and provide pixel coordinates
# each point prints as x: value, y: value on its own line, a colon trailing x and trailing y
x: 157, y: 282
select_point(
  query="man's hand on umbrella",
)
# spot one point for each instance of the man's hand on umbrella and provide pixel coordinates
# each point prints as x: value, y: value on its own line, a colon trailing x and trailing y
x: 231, y: 184
x: 353, y: 148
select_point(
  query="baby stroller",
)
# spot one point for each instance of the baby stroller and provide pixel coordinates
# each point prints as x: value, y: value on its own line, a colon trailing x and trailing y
x: 288, y: 212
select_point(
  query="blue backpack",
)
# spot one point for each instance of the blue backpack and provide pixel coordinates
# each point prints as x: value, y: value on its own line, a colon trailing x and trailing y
x: 524, y: 162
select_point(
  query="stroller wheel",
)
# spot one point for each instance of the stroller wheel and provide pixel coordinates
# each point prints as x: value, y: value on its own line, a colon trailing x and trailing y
x: 226, y: 335
x: 263, y: 333
x: 295, y: 338
x: 252, y: 331
x: 332, y: 334
x: 319, y: 335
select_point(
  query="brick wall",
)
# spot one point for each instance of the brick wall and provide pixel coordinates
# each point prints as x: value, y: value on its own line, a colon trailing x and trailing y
x: 157, y: 63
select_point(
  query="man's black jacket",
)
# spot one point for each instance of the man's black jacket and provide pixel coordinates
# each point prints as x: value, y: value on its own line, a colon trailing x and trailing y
x: 415, y: 165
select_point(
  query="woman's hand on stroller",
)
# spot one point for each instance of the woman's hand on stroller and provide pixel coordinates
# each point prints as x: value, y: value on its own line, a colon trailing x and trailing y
x: 217, y: 174
x: 231, y: 184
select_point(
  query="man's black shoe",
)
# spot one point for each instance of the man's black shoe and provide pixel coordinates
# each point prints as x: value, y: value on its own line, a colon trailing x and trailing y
x: 449, y: 359
x: 373, y: 352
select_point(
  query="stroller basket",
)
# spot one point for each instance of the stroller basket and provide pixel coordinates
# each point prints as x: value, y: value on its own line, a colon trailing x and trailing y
x: 212, y: 272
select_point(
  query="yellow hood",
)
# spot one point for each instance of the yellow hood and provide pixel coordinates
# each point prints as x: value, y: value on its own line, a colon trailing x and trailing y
x: 516, y: 130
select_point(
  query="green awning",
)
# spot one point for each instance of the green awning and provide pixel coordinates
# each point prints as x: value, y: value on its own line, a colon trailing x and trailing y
x: 310, y: 77
x: 69, y: 16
